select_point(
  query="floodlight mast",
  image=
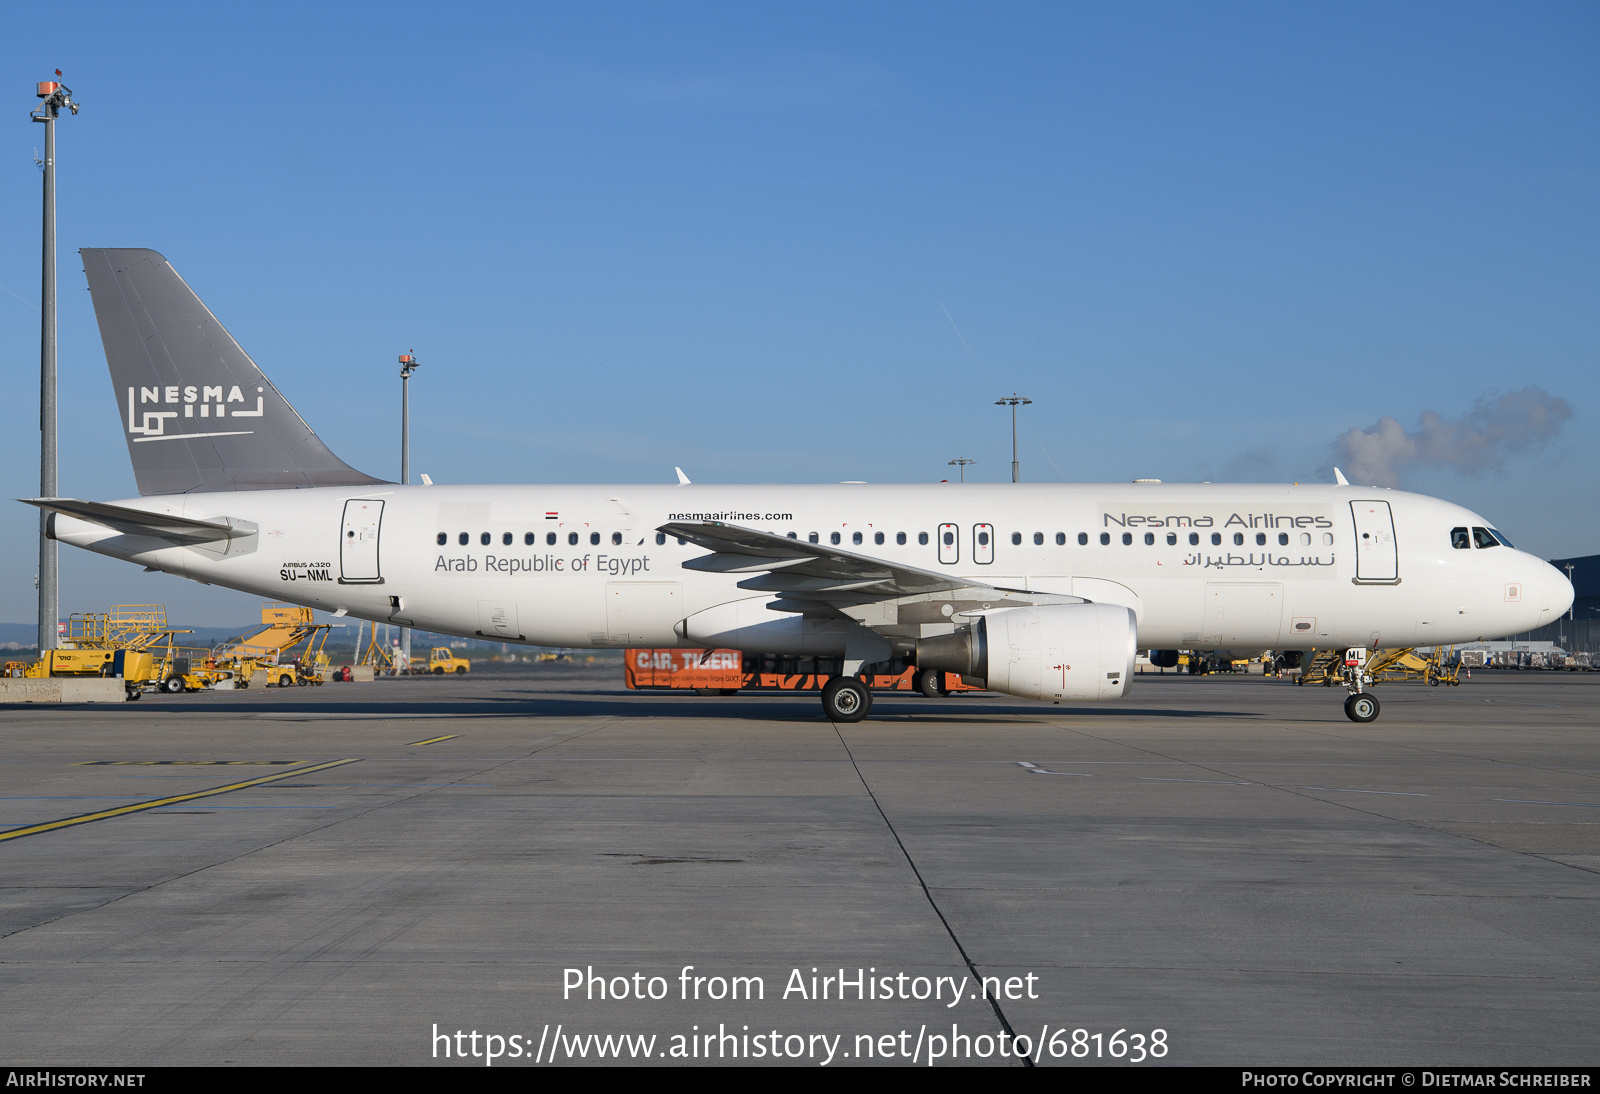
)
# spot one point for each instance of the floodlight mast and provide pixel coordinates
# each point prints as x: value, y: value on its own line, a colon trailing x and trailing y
x: 56, y: 95
x: 408, y: 365
x: 1012, y: 400
x: 962, y: 462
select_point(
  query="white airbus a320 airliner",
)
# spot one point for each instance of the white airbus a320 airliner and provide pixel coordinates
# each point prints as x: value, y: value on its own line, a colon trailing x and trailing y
x: 1040, y: 591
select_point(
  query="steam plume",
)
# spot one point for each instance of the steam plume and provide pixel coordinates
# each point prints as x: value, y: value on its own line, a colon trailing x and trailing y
x: 1480, y: 440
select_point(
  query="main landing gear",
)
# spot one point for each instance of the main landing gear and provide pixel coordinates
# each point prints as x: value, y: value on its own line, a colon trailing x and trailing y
x: 846, y: 699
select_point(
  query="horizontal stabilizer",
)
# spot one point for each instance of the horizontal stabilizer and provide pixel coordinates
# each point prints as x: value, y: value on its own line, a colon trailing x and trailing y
x: 138, y: 522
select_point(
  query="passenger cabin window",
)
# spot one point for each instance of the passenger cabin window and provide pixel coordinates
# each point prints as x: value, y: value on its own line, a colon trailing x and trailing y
x: 463, y: 539
x: 793, y: 536
x: 1061, y: 539
x: 1083, y: 539
x: 528, y: 538
x: 812, y: 538
x: 1016, y: 539
x: 661, y: 539
x: 1105, y: 539
x: 1149, y: 539
x: 1261, y: 539
x: 983, y: 539
x: 484, y: 539
x: 1482, y: 537
x: 1038, y: 539
x: 1172, y: 539
x: 572, y: 538
x: 855, y: 537
x: 550, y: 538
x: 505, y: 538
x: 616, y: 539
x: 444, y: 537
x: 833, y: 537
x: 900, y: 538
x: 1194, y: 539
x: 1127, y: 539
x: 949, y: 538
x: 922, y: 538
x: 594, y: 539
x: 1305, y: 538
x: 877, y: 537
x: 1238, y: 539
x: 1283, y: 539
x: 1216, y: 539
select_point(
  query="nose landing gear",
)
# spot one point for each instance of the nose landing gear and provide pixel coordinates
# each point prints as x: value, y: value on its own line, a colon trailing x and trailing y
x: 1359, y: 707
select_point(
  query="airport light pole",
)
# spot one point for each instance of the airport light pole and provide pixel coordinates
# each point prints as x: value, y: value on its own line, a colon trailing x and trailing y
x: 962, y: 462
x: 56, y: 96
x: 1572, y: 612
x: 1012, y: 401
x: 408, y: 365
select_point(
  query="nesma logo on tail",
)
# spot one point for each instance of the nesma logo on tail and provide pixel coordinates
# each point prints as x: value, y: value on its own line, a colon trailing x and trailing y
x: 151, y: 425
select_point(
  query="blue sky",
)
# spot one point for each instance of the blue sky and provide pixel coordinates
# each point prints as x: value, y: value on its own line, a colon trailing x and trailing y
x: 1205, y: 239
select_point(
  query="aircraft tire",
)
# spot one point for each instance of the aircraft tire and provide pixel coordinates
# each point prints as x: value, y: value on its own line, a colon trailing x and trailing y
x: 846, y: 699
x: 1361, y: 708
x: 931, y: 683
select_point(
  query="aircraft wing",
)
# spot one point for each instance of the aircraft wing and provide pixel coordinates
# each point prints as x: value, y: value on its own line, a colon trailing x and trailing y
x: 821, y: 579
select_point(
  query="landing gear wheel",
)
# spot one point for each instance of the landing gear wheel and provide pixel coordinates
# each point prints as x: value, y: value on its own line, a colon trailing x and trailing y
x: 173, y: 685
x: 931, y: 683
x: 846, y: 699
x: 1361, y: 708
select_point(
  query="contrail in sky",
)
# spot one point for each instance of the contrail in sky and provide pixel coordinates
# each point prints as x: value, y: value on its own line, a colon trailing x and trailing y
x: 957, y: 330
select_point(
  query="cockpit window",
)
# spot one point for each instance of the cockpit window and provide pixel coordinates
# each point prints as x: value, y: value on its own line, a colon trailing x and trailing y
x: 1501, y: 536
x: 1460, y: 539
x: 1482, y: 537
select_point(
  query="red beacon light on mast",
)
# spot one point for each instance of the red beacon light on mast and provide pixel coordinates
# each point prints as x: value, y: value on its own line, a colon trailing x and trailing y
x: 48, y: 88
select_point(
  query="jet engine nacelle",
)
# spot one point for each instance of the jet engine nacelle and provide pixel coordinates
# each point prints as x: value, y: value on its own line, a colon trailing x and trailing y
x: 1083, y: 652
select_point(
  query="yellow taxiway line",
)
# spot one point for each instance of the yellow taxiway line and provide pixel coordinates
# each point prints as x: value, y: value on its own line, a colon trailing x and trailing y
x: 123, y: 810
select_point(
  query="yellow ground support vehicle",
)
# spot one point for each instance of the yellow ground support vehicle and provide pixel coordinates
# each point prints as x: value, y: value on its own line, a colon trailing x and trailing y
x: 441, y: 661
x: 286, y: 651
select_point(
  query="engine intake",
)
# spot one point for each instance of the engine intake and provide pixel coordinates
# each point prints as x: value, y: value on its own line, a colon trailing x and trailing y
x: 1060, y: 651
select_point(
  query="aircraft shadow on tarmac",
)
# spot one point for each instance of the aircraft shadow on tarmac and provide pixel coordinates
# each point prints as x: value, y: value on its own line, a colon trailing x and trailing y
x: 544, y: 704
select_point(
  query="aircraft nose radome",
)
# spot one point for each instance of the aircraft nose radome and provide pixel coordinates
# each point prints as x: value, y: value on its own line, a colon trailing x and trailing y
x: 1555, y: 593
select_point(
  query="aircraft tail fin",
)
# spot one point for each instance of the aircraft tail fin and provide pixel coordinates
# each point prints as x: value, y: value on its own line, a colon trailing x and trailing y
x: 197, y: 412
